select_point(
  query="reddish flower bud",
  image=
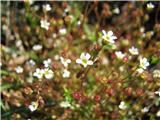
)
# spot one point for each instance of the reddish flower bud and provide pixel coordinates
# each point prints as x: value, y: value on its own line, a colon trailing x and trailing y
x: 128, y: 91
x: 110, y: 92
x: 125, y: 59
x: 110, y: 81
x: 76, y: 95
x: 97, y: 98
x: 113, y: 56
x: 139, y: 92
x: 26, y: 103
x: 41, y: 102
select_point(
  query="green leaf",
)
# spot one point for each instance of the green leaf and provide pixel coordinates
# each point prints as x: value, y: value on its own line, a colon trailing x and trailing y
x: 67, y: 95
x: 90, y: 34
x: 5, y: 86
x: 154, y: 60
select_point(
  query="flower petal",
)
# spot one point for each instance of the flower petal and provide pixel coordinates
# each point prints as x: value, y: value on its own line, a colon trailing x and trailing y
x: 79, y: 61
x: 90, y: 62
x: 104, y: 32
x: 110, y: 33
x: 87, y: 56
x: 68, y: 61
x: 82, y: 55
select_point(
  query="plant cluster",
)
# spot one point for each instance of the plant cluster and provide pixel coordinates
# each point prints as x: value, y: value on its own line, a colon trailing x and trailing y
x: 80, y: 60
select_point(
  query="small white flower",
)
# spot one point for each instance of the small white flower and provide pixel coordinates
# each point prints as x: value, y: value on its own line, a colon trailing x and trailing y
x: 122, y: 105
x: 142, y: 29
x: 156, y: 73
x: 158, y: 113
x: 140, y: 70
x: 79, y: 23
x: 19, y: 69
x: 47, y: 7
x: 38, y: 73
x: 37, y: 47
x: 47, y: 62
x: 48, y: 73
x: 45, y: 24
x: 65, y: 62
x: 62, y: 31
x: 144, y: 63
x: 33, y: 106
x: 54, y: 35
x: 133, y: 51
x: 150, y: 6
x: 145, y: 110
x: 18, y: 43
x: 108, y: 37
x: 116, y: 11
x: 65, y: 104
x: 66, y: 73
x: 157, y: 92
x: 56, y: 57
x: 84, y: 59
x: 29, y: 1
x: 119, y: 54
x: 31, y: 63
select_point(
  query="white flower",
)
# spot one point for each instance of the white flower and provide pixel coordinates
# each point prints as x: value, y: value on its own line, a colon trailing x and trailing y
x: 18, y: 43
x: 119, y: 54
x: 56, y: 57
x: 31, y: 63
x: 122, y: 105
x: 65, y: 62
x: 108, y: 37
x: 156, y: 73
x: 37, y: 47
x: 116, y: 11
x: 47, y: 62
x: 38, y: 73
x: 48, y: 73
x: 145, y: 109
x: 140, y: 70
x: 144, y: 63
x: 133, y: 51
x: 19, y: 69
x: 33, y: 106
x: 45, y: 24
x: 158, y: 113
x: 157, y: 92
x: 66, y: 73
x: 62, y: 31
x: 47, y: 7
x: 84, y: 60
x: 150, y: 6
x: 65, y: 104
x: 29, y: 1
x: 79, y: 23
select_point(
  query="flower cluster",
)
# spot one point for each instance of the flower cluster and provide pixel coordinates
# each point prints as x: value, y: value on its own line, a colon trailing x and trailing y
x: 71, y: 60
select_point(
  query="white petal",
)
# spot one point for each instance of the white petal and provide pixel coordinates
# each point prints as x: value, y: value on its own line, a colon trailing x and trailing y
x: 90, y: 62
x: 104, y: 32
x: 79, y: 61
x: 82, y: 55
x: 113, y: 37
x: 140, y: 70
x: 87, y: 56
x: 110, y: 33
x: 68, y: 61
